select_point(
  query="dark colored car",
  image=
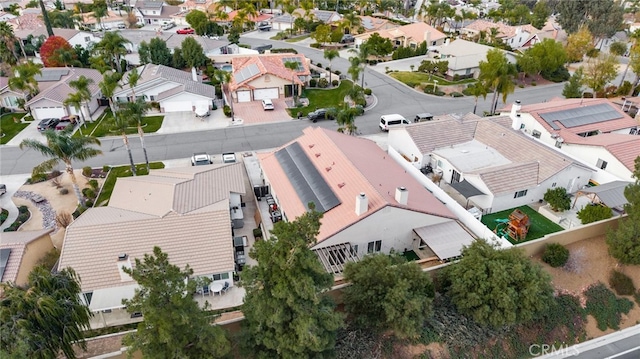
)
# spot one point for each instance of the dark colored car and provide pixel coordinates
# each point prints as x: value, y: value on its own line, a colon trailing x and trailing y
x: 347, y: 39
x: 320, y: 114
x: 47, y: 123
x: 62, y: 125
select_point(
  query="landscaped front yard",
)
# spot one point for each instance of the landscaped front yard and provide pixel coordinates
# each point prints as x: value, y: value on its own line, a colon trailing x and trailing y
x: 104, y: 126
x: 540, y: 225
x: 9, y: 128
x: 121, y: 171
x: 319, y: 98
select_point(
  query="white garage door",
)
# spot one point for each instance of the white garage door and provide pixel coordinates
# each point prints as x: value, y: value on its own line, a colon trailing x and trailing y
x: 244, y: 96
x: 177, y: 106
x: 48, y: 112
x: 261, y: 94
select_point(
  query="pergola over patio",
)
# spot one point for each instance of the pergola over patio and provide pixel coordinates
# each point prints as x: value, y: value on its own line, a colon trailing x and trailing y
x: 335, y: 257
x: 444, y: 239
x: 610, y: 194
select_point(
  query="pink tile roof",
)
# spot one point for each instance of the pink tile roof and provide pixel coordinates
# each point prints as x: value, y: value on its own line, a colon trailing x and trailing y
x: 350, y: 166
x: 504, y: 30
x: 26, y: 22
x: 260, y: 17
x: 268, y: 64
x: 415, y: 31
x: 626, y: 148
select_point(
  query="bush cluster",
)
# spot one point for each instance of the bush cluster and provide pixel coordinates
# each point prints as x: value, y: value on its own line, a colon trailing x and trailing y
x: 555, y: 255
x: 87, y: 171
x: 226, y: 110
x: 23, y: 216
x: 335, y: 83
x: 456, y: 94
x: 284, y: 51
x: 313, y: 83
x: 621, y: 283
x: 594, y: 213
x: 323, y: 83
x: 605, y: 307
x: 368, y: 91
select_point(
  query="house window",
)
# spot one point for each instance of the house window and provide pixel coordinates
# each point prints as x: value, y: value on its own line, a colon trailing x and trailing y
x: 374, y: 247
x: 601, y: 164
x: 558, y: 144
x: 152, y: 98
x: 413, y: 46
x: 354, y: 249
x: 87, y: 39
x: 221, y: 276
x: 439, y: 163
x: 520, y: 194
x: 553, y: 185
x: 153, y: 12
x: 398, y: 43
x: 536, y: 134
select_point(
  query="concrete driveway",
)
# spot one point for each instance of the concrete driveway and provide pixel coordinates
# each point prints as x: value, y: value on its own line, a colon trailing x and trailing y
x: 187, y: 121
x: 253, y: 113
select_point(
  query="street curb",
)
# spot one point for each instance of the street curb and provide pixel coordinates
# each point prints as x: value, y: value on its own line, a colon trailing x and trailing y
x: 593, y: 343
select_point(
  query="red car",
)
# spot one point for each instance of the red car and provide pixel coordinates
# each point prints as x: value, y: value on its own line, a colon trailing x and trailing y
x: 186, y: 30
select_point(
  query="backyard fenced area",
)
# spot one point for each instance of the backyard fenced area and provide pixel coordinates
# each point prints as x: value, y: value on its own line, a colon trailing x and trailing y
x: 539, y: 225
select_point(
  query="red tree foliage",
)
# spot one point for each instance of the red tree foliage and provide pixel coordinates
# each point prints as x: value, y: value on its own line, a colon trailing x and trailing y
x: 49, y: 46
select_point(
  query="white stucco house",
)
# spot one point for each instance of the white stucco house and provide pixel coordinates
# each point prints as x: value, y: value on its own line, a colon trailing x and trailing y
x: 596, y: 131
x: 54, y: 87
x: 184, y: 211
x: 514, y: 36
x: 155, y: 12
x: 492, y: 164
x: 370, y: 204
x: 464, y: 57
x: 265, y: 76
x: 8, y: 97
x: 174, y: 90
x: 75, y: 37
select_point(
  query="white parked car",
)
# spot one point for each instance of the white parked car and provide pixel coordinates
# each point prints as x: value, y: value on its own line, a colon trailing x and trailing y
x: 199, y: 159
x: 228, y: 157
x: 267, y: 104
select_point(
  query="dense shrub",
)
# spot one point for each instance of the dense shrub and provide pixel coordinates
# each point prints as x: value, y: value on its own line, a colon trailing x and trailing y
x: 412, y: 84
x: 226, y: 110
x: 556, y: 255
x: 328, y: 68
x: 605, y: 307
x: 319, y: 65
x: 313, y: 83
x: 64, y: 191
x: 621, y: 283
x: 86, y: 171
x: 456, y: 94
x: 284, y: 51
x: 558, y: 199
x: 593, y: 213
x: 337, y: 72
x: 593, y: 52
x: 89, y: 203
x: 89, y: 193
x: 257, y: 232
x: 467, y: 91
x: 38, y: 177
x: 367, y: 91
x: 439, y: 93
x: 106, y: 168
x: 323, y: 83
x: 23, y: 216
x: 93, y: 184
x: 335, y: 83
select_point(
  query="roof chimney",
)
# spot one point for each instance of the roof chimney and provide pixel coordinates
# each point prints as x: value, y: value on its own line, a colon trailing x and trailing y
x: 402, y: 195
x: 362, y: 204
x: 194, y: 74
x: 516, y: 121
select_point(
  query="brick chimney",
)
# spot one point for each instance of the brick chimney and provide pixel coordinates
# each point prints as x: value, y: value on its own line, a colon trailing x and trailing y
x: 402, y: 195
x: 362, y: 204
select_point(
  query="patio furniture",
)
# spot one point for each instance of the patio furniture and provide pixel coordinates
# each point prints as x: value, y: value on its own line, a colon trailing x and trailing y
x: 205, y: 290
x: 226, y: 287
x: 216, y: 288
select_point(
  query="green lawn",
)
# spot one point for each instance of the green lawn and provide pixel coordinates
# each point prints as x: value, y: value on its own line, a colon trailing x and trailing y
x: 101, y: 127
x: 121, y: 171
x: 323, y: 98
x: 296, y: 39
x: 9, y: 128
x: 540, y: 225
x: 421, y: 77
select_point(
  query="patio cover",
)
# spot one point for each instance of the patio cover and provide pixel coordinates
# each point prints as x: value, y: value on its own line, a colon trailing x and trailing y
x: 445, y: 239
x: 111, y: 298
x: 466, y: 189
x: 611, y: 194
x: 335, y: 257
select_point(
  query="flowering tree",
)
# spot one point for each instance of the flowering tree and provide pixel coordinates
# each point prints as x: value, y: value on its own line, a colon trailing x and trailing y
x: 48, y: 49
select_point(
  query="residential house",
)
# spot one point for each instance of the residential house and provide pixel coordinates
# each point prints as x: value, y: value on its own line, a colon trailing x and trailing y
x: 369, y: 203
x: 26, y: 22
x: 373, y: 24
x: 201, y: 5
x: 551, y: 30
x: 110, y: 22
x: 74, y: 37
x: 5, y: 16
x: 8, y: 97
x: 286, y: 21
x: 503, y: 167
x: 261, y: 77
x: 255, y: 19
x: 464, y: 57
x: 155, y: 12
x: 410, y: 35
x: 173, y: 40
x: 20, y: 252
x: 514, y: 36
x: 596, y: 131
x: 174, y: 90
x: 184, y: 211
x: 54, y: 87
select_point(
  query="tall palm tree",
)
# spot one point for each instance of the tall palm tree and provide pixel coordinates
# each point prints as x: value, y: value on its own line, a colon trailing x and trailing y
x: 351, y: 21
x: 76, y: 100
x: 8, y: 53
x: 345, y: 118
x: 293, y: 66
x: 330, y: 54
x: 121, y: 123
x: 81, y: 84
x: 67, y: 57
x: 477, y: 90
x: 98, y: 13
x: 23, y: 78
x: 138, y: 109
x: 363, y: 54
x: 61, y: 147
x: 132, y: 79
x: 108, y: 85
x: 224, y: 77
x: 112, y: 48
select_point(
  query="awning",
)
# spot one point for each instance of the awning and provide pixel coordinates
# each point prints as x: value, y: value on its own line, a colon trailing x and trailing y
x: 611, y: 194
x: 466, y: 189
x: 111, y: 298
x: 445, y: 239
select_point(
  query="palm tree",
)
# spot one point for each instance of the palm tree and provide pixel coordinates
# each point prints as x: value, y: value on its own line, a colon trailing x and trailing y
x: 293, y: 66
x: 331, y: 54
x: 351, y: 21
x: 108, y: 85
x: 345, y: 118
x: 76, y: 100
x: 61, y: 147
x: 354, y: 69
x: 363, y: 54
x: 81, y: 84
x: 8, y: 53
x: 98, y: 13
x: 45, y: 18
x: 121, y: 123
x: 67, y: 57
x: 478, y: 90
x: 224, y: 77
x: 112, y: 48
x: 138, y: 110
x: 24, y: 78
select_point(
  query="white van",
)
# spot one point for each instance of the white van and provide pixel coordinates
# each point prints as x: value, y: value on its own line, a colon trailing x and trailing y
x: 387, y: 121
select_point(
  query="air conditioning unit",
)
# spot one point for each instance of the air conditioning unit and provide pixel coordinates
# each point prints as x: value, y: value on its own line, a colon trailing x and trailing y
x: 555, y: 135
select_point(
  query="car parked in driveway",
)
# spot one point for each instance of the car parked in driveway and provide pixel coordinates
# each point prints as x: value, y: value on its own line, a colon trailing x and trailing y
x: 320, y: 114
x: 48, y: 123
x: 186, y: 31
x: 347, y: 39
x: 62, y: 125
x: 267, y: 104
x: 3, y: 189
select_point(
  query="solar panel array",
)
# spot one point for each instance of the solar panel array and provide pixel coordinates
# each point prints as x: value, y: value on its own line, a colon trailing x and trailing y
x: 51, y: 75
x: 4, y: 258
x: 305, y: 178
x: 580, y: 116
x: 246, y: 73
x: 293, y: 59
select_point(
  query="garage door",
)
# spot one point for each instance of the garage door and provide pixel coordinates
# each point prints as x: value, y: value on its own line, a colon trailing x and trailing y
x: 48, y: 112
x: 261, y: 94
x: 244, y: 96
x: 177, y: 106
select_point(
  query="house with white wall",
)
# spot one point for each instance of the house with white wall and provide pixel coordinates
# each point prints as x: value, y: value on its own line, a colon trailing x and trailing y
x: 75, y: 37
x: 184, y: 211
x: 112, y: 21
x: 596, y: 131
x: 155, y: 12
x: 411, y: 35
x: 210, y: 47
x: 506, y: 168
x: 514, y: 36
x: 464, y: 57
x: 173, y: 89
x: 369, y: 202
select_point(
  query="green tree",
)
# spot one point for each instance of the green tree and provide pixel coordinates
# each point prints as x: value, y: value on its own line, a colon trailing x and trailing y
x: 66, y: 57
x: 345, y: 117
x: 529, y: 64
x: 192, y: 53
x: 578, y: 44
x: 594, y: 213
x: 174, y: 325
x: 63, y: 19
x: 293, y: 66
x: 403, y: 294
x: 8, y: 40
x: 555, y: 255
x: 286, y: 314
x: 624, y: 242
x: 497, y: 75
x: 143, y: 53
x: 331, y: 54
x: 177, y: 60
x: 540, y: 14
x: 223, y: 78
x: 573, y: 88
x: 158, y: 52
x: 81, y: 85
x: 234, y: 35
x: 43, y: 318
x: 360, y: 61
x: 379, y: 46
x: 600, y: 71
x: 99, y: 10
x: 618, y: 48
x: 23, y: 78
x: 112, y: 49
x: 45, y: 18
x: 198, y: 21
x: 61, y: 147
x: 558, y: 199
x: 322, y: 34
x: 477, y: 90
x: 602, y: 17
x: 498, y: 286
x: 550, y: 55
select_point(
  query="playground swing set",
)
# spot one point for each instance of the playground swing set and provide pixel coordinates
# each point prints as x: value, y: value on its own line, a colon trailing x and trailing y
x: 515, y: 227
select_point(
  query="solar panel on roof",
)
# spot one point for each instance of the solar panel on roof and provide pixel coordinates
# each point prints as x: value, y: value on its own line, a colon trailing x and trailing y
x: 305, y: 178
x: 246, y: 73
x: 48, y: 75
x: 580, y: 116
x: 4, y: 258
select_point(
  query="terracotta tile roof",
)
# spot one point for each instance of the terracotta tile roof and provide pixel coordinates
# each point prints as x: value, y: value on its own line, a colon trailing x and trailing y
x: 4, y: 82
x: 111, y: 17
x: 272, y: 64
x: 27, y: 22
x: 350, y: 166
x: 415, y: 31
x: 201, y: 239
x: 17, y: 242
x: 626, y: 148
x: 180, y: 190
x: 504, y: 30
x: 67, y: 34
x: 371, y: 23
x: 60, y: 90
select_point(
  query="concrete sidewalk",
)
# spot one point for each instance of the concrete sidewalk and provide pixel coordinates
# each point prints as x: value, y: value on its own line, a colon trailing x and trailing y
x: 599, y: 347
x: 13, y: 183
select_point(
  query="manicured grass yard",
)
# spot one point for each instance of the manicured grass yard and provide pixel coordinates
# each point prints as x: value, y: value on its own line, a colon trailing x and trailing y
x: 121, y: 171
x: 323, y: 98
x: 9, y: 128
x: 101, y: 127
x: 540, y: 225
x: 421, y: 77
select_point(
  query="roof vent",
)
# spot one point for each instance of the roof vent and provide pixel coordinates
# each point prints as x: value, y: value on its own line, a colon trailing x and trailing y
x: 311, y: 145
x: 340, y: 185
x: 317, y: 155
x: 327, y: 169
x: 123, y: 257
x: 402, y: 195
